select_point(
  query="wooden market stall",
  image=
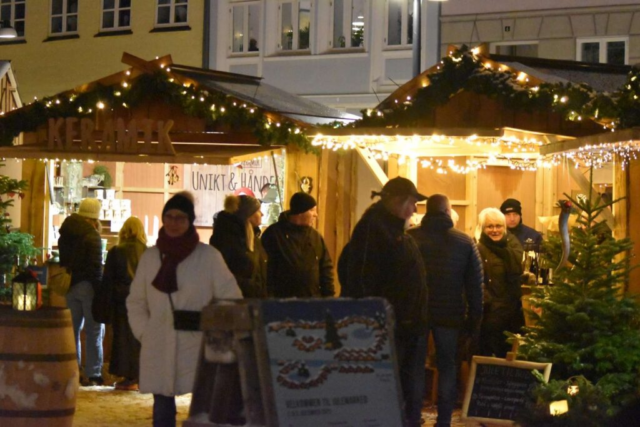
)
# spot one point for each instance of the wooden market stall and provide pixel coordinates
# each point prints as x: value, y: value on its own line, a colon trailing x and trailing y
x: 473, y: 127
x: 157, y: 128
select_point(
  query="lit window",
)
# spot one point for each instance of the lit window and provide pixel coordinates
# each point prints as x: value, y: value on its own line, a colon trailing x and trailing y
x: 12, y: 11
x: 348, y: 23
x: 399, y: 22
x: 116, y: 14
x: 172, y: 12
x: 245, y: 31
x: 295, y: 25
x: 603, y: 50
x: 64, y: 16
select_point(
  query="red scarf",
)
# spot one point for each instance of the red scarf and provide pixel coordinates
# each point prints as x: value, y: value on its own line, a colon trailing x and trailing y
x: 173, y: 251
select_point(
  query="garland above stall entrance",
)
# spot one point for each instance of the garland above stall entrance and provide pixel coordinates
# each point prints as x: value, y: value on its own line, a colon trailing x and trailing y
x: 469, y: 70
x: 156, y: 81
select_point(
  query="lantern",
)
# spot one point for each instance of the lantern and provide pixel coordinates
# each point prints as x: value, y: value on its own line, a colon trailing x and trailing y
x: 559, y: 407
x: 24, y: 292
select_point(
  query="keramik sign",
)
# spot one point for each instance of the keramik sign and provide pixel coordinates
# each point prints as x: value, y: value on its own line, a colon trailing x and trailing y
x: 73, y: 134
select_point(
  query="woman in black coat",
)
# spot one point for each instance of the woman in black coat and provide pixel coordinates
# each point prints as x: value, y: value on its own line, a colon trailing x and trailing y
x: 501, y: 255
x: 119, y: 269
x: 236, y: 234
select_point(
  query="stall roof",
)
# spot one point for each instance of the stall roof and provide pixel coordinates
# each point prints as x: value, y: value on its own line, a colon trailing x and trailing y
x: 624, y: 139
x: 223, y: 146
x: 601, y: 77
x: 254, y: 90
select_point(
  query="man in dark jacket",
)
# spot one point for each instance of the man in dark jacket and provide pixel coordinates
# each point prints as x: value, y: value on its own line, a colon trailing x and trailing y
x: 454, y: 279
x: 299, y: 264
x: 81, y: 254
x: 529, y: 238
x: 381, y: 260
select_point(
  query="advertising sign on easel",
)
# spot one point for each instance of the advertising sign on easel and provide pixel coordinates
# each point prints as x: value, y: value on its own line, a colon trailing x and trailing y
x: 331, y: 363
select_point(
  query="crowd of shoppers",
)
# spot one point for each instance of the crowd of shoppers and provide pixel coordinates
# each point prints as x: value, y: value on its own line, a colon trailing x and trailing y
x: 438, y: 280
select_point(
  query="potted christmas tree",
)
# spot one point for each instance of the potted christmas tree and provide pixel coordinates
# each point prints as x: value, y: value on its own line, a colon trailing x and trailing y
x: 587, y: 327
x: 16, y: 248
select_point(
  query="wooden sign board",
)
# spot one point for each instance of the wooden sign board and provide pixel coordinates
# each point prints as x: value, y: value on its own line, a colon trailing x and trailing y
x: 210, y: 184
x: 497, y: 387
x: 329, y: 362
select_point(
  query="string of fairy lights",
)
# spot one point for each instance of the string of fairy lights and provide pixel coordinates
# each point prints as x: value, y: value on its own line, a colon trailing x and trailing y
x: 574, y: 102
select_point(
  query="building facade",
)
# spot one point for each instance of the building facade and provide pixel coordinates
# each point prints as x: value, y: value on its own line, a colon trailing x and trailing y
x: 64, y: 43
x: 349, y: 54
x: 605, y: 31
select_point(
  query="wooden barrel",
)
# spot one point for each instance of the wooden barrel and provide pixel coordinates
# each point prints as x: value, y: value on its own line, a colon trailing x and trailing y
x: 38, y: 368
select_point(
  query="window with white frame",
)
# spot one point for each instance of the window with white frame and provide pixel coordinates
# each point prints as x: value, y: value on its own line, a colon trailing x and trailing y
x: 399, y: 22
x: 12, y: 11
x: 245, y: 28
x: 603, y: 50
x: 116, y: 14
x: 295, y: 25
x: 172, y: 12
x: 348, y: 23
x: 64, y: 16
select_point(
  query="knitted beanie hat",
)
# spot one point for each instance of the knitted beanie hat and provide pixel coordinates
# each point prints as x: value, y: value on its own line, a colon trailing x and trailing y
x: 511, y: 205
x: 241, y: 206
x: 182, y: 201
x: 90, y: 208
x: 300, y: 203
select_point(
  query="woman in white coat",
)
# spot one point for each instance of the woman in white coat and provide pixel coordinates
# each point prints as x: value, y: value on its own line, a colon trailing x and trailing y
x: 179, y: 273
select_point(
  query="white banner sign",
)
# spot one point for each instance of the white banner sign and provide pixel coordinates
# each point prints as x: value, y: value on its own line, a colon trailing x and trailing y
x: 210, y: 184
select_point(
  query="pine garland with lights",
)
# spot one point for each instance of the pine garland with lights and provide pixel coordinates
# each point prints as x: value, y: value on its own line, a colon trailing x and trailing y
x: 463, y: 70
x: 588, y: 326
x: 218, y: 109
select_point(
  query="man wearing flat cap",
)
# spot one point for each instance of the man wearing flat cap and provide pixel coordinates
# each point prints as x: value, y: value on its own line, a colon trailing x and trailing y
x: 382, y: 260
x: 299, y: 264
x: 529, y: 238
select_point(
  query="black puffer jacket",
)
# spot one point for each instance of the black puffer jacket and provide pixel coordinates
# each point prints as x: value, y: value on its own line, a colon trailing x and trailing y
x: 381, y: 260
x: 80, y: 250
x: 454, y: 271
x: 249, y: 268
x: 299, y: 264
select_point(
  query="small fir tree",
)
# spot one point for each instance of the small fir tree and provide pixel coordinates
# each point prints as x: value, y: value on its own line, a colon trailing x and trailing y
x: 15, y: 246
x: 587, y: 325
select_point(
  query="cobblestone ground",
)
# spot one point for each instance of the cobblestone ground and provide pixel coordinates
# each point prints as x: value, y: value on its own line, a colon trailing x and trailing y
x: 105, y: 407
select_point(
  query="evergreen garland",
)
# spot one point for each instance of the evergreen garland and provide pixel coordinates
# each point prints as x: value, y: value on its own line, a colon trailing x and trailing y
x: 588, y: 325
x: 462, y: 70
x: 219, y: 110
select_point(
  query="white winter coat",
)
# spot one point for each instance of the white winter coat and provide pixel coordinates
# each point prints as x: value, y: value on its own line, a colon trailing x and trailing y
x: 168, y: 358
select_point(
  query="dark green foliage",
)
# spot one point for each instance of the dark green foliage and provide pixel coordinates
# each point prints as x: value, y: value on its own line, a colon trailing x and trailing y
x: 228, y: 113
x: 590, y: 407
x: 463, y: 71
x: 588, y: 326
x: 14, y: 246
x: 104, y: 171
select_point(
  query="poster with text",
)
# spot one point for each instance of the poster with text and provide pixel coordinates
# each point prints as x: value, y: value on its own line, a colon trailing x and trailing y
x: 210, y: 184
x: 332, y: 363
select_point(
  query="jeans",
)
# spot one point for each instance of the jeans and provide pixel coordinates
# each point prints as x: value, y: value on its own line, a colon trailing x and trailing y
x: 446, y: 342
x: 79, y: 299
x: 412, y: 353
x: 164, y: 411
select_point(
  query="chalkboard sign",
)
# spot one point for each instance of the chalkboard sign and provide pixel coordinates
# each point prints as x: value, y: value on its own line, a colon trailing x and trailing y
x: 497, y: 387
